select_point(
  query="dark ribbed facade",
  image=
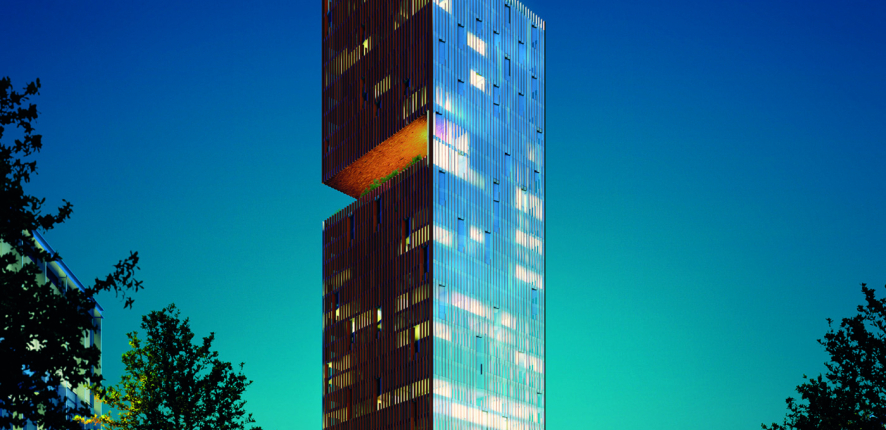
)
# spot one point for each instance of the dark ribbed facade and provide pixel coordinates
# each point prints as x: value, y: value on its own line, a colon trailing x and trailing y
x: 433, y: 279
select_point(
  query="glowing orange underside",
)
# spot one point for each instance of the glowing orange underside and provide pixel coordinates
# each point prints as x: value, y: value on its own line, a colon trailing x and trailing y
x: 396, y: 152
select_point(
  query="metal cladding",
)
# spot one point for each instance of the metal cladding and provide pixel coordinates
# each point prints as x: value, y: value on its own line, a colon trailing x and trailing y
x: 433, y: 279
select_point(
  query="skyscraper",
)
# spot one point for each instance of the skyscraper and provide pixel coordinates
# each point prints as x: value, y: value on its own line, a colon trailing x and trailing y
x: 433, y: 279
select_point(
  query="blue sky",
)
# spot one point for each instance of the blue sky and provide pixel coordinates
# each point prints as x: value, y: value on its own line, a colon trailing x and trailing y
x: 715, y: 189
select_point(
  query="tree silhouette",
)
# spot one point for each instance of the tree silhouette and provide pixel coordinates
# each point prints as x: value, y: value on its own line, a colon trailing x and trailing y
x: 171, y: 383
x: 852, y: 395
x: 42, y: 330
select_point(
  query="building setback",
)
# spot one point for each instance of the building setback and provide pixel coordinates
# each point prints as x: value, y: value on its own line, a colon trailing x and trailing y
x: 433, y: 279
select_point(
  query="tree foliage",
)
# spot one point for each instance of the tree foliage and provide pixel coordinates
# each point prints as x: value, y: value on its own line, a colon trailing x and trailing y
x: 852, y: 395
x: 42, y: 330
x: 172, y: 383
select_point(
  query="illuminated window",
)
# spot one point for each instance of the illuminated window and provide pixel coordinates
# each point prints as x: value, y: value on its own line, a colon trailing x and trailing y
x: 462, y: 236
x: 478, y: 80
x: 379, y: 326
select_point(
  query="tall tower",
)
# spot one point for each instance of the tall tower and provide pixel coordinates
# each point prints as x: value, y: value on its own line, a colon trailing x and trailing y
x: 433, y: 279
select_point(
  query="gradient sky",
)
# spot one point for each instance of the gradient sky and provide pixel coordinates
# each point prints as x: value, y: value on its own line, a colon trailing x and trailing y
x: 716, y: 189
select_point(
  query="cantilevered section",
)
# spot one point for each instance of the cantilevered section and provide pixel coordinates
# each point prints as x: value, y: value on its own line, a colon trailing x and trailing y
x: 395, y: 153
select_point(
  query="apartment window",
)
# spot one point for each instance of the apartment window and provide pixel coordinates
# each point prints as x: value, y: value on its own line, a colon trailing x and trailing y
x: 462, y: 37
x: 480, y: 353
x: 496, y: 206
x: 534, y: 304
x: 378, y: 212
x: 352, y: 228
x: 534, y: 37
x: 496, y: 101
x: 534, y: 88
x: 487, y: 248
x: 441, y: 187
x: 378, y: 326
x: 462, y: 234
x: 441, y: 300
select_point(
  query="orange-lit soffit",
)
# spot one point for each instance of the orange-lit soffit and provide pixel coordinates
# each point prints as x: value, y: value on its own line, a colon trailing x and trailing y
x: 396, y: 152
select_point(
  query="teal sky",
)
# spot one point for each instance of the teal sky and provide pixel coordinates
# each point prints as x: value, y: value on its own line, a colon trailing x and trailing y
x: 716, y: 189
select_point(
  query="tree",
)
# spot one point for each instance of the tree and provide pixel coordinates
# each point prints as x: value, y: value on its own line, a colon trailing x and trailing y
x: 853, y: 393
x: 171, y: 383
x: 41, y: 331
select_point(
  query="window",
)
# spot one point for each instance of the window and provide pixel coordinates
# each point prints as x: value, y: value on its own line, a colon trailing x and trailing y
x: 378, y: 326
x: 534, y: 304
x: 478, y: 27
x: 441, y: 188
x: 487, y: 248
x: 462, y: 165
x: 540, y: 138
x: 462, y: 236
x: 461, y: 87
x: 521, y: 52
x: 521, y: 103
x: 462, y: 37
x: 406, y: 234
x: 479, y: 352
x: 534, y: 88
x: 352, y: 228
x: 496, y: 206
x: 378, y: 386
x: 496, y: 101
x: 507, y: 15
x: 442, y: 47
x: 534, y: 40
x: 378, y: 212
x: 507, y: 70
x: 496, y: 36
x: 508, y: 166
x: 337, y: 304
x: 537, y: 182
x: 426, y: 262
x: 441, y: 301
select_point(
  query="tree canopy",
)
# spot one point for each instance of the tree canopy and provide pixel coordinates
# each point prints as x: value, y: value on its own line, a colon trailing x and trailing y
x: 42, y: 329
x: 852, y: 395
x: 172, y: 383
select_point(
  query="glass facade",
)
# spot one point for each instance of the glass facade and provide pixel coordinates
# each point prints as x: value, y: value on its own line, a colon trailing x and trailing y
x: 433, y: 279
x: 488, y: 150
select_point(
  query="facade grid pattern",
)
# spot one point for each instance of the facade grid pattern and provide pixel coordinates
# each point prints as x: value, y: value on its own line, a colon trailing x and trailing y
x: 433, y: 283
